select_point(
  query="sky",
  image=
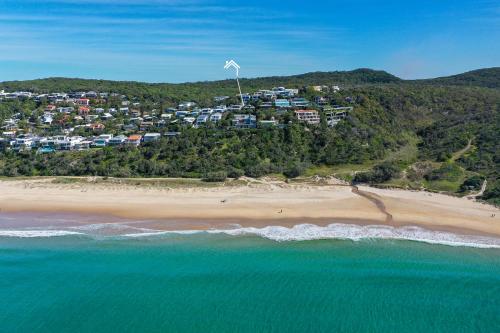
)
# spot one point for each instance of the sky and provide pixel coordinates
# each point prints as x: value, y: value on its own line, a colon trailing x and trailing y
x: 190, y: 40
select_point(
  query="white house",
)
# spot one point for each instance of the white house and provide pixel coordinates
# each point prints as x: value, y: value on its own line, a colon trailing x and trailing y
x: 202, y: 120
x: 150, y: 137
x: 189, y: 120
x: 216, y: 117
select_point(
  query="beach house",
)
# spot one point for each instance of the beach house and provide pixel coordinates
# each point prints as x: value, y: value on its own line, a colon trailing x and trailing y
x: 300, y: 102
x: 186, y: 105
x: 335, y: 115
x: 134, y: 140
x: 82, y: 101
x: 102, y: 140
x: 151, y: 137
x: 216, y: 117
x: 202, y: 120
x: 282, y: 103
x: 118, y: 140
x: 268, y: 123
x: 244, y: 121
x: 310, y: 117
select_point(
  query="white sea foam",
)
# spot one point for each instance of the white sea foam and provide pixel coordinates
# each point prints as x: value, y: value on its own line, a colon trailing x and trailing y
x: 301, y: 232
x: 354, y: 232
x: 307, y: 232
x: 108, y: 227
x: 37, y: 233
x: 159, y: 233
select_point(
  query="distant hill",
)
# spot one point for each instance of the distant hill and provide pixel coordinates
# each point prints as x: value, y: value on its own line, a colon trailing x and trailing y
x: 205, y: 91
x: 487, y: 77
x: 355, y: 77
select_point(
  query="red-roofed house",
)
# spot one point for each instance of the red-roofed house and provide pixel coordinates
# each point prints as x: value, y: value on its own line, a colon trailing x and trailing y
x: 134, y: 140
x: 83, y: 110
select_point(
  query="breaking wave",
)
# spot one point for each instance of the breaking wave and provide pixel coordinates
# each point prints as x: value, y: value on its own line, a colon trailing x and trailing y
x: 301, y: 232
x: 308, y: 232
x: 37, y: 233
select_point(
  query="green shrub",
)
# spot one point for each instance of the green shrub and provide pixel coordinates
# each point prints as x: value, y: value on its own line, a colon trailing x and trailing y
x: 294, y: 170
x: 473, y: 183
x: 448, y: 171
x: 235, y: 173
x: 380, y: 174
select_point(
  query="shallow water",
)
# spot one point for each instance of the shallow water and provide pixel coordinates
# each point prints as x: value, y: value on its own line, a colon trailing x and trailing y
x: 244, y: 283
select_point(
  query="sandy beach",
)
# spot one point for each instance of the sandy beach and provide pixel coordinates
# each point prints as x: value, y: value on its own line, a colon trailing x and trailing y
x: 255, y: 204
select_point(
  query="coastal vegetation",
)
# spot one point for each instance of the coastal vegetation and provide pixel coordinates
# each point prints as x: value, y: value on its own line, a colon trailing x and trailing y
x: 439, y: 135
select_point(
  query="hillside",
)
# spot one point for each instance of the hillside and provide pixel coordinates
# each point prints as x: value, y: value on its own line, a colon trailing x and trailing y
x: 434, y: 134
x: 487, y: 77
x: 202, y: 92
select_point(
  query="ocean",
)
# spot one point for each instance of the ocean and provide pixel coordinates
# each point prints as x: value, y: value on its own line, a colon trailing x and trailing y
x: 63, y: 281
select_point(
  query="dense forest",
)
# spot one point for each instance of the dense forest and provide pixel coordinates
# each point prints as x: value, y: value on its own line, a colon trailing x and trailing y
x: 441, y: 135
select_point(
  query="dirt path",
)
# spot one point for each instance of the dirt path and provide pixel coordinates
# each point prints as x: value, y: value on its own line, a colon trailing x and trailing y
x: 376, y: 200
x: 480, y: 193
x: 459, y: 153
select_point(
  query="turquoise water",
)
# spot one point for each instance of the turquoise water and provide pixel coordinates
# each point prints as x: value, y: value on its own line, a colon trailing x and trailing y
x: 221, y: 283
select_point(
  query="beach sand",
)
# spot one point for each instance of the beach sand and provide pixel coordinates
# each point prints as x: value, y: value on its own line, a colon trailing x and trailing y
x: 254, y: 204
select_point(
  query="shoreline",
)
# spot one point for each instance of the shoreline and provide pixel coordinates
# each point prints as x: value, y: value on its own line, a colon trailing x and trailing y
x: 255, y: 205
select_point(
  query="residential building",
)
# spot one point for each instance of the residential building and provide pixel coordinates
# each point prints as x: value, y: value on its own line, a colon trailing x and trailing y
x: 82, y: 101
x: 189, y: 120
x: 151, y: 137
x: 83, y: 145
x: 216, y: 117
x: 335, y: 116
x: 320, y: 100
x: 202, y: 120
x: 102, y: 140
x: 299, y: 102
x: 181, y: 114
x: 22, y: 143
x: 268, y: 123
x: 219, y: 99
x: 107, y: 116
x: 308, y: 116
x: 134, y: 140
x: 47, y: 118
x: 65, y: 109
x: 235, y: 107
x: 50, y: 108
x: 206, y: 111
x: 242, y: 121
x: 118, y: 140
x: 83, y: 110
x: 187, y: 105
x: 282, y: 103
